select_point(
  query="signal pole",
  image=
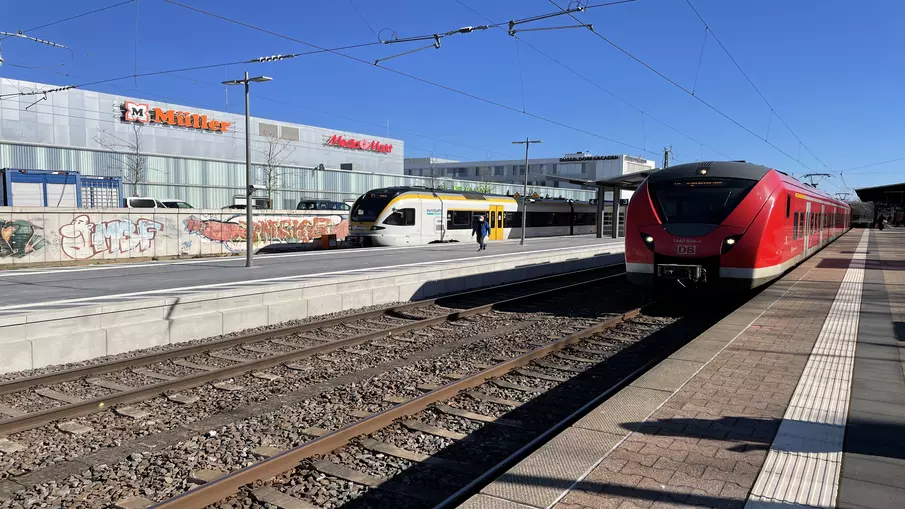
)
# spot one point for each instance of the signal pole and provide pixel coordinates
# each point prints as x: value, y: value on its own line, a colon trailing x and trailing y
x: 527, y: 144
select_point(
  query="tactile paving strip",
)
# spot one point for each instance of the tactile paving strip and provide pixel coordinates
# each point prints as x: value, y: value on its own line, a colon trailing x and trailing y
x: 803, y: 465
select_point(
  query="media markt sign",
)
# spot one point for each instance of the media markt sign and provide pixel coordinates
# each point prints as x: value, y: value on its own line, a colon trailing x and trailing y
x: 143, y: 113
x: 370, y: 146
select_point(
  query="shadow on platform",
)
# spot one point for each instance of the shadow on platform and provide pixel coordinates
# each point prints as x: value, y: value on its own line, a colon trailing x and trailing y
x: 870, y: 437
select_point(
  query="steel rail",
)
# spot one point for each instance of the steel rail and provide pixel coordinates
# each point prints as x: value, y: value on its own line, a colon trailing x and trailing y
x: 513, y: 459
x: 33, y: 420
x: 230, y: 484
x: 20, y: 384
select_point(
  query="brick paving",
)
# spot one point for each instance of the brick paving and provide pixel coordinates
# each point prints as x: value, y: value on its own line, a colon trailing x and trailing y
x: 705, y: 446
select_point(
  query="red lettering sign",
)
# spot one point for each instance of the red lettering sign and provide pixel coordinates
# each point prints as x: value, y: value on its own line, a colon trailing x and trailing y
x: 133, y: 112
x: 371, y: 146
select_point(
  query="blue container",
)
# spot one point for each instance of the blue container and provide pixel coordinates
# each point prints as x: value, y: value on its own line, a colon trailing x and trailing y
x: 40, y: 188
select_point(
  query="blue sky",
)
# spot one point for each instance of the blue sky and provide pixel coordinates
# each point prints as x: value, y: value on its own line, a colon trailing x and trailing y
x: 830, y: 68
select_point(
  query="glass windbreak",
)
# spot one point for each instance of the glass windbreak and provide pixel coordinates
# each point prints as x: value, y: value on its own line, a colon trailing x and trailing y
x: 707, y: 201
x: 371, y: 204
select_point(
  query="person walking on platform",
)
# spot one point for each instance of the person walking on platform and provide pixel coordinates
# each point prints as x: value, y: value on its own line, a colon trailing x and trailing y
x: 481, y: 229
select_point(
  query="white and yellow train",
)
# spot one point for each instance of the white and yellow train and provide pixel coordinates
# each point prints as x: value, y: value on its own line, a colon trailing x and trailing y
x: 403, y: 216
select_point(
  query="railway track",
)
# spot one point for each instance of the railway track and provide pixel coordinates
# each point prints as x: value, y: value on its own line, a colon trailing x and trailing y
x: 414, y: 431
x: 510, y: 400
x: 80, y: 391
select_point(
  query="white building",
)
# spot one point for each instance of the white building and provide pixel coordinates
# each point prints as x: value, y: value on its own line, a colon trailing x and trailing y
x: 580, y: 165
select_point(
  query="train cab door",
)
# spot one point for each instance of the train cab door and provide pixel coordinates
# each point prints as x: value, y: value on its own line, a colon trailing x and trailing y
x: 497, y: 217
x: 807, y: 227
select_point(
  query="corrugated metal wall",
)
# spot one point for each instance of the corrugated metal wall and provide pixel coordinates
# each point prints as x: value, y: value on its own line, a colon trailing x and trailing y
x: 209, y: 183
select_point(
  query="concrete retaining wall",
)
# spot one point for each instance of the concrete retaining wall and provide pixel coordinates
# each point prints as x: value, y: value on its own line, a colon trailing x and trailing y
x: 40, y: 339
x: 30, y: 236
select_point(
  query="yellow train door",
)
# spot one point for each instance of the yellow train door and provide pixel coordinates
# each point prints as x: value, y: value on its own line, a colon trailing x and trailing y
x: 497, y: 219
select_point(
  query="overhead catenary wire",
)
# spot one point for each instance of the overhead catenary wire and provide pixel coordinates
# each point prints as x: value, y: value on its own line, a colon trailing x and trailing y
x: 594, y: 83
x: 700, y: 61
x: 414, y: 77
x: 70, y: 18
x: 875, y: 164
x: 360, y: 15
x: 270, y: 58
x: 750, y: 82
x: 319, y: 49
x: 682, y: 88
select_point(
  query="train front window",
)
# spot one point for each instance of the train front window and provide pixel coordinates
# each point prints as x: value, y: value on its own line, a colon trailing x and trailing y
x: 707, y: 201
x: 371, y: 204
x: 403, y: 217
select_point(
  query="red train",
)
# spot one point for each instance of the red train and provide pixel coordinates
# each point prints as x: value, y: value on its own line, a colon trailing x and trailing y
x: 726, y: 223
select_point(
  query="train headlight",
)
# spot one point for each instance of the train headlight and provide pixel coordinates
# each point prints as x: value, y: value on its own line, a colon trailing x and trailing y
x: 648, y: 240
x: 375, y: 228
x: 729, y: 242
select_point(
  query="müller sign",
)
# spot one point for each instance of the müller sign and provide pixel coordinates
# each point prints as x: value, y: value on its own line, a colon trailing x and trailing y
x: 372, y: 146
x: 134, y: 112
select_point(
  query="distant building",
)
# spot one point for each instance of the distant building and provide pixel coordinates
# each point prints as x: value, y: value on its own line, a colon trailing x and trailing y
x: 580, y: 165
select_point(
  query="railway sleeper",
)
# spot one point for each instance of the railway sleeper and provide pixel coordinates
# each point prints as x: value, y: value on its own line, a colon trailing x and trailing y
x: 446, y: 409
x: 57, y: 396
x: 480, y: 396
x: 392, y: 450
x: 257, y: 349
x: 350, y: 474
x: 275, y: 497
x: 516, y: 387
x: 416, y: 425
x: 553, y: 365
x: 574, y: 358
x: 193, y: 365
x: 227, y: 357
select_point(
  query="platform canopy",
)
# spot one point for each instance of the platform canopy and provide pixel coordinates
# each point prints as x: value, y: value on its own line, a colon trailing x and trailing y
x: 892, y: 194
x: 629, y: 181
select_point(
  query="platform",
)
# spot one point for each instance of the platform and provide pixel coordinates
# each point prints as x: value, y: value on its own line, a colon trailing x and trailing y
x: 25, y: 288
x: 797, y: 399
x: 61, y: 315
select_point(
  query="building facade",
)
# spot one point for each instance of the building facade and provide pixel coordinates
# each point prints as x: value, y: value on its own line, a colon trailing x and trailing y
x: 165, y: 150
x: 580, y: 165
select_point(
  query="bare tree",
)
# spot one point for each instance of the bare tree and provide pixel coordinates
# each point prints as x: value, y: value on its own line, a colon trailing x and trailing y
x: 434, y: 176
x: 274, y: 155
x: 483, y: 173
x: 133, y: 164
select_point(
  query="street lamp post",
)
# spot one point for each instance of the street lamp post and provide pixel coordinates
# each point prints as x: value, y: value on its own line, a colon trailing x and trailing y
x: 527, y: 144
x: 249, y: 178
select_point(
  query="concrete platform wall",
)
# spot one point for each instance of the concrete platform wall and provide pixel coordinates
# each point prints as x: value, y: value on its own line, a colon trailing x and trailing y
x: 36, y: 339
x: 45, y: 236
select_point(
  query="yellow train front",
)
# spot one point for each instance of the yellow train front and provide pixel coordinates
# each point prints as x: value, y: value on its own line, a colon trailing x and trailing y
x: 407, y: 216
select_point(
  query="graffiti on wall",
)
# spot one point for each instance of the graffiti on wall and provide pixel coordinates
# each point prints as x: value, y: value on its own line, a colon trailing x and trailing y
x: 19, y: 238
x: 83, y: 238
x: 267, y: 230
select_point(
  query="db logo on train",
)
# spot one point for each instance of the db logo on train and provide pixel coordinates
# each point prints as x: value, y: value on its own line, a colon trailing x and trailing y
x: 686, y: 249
